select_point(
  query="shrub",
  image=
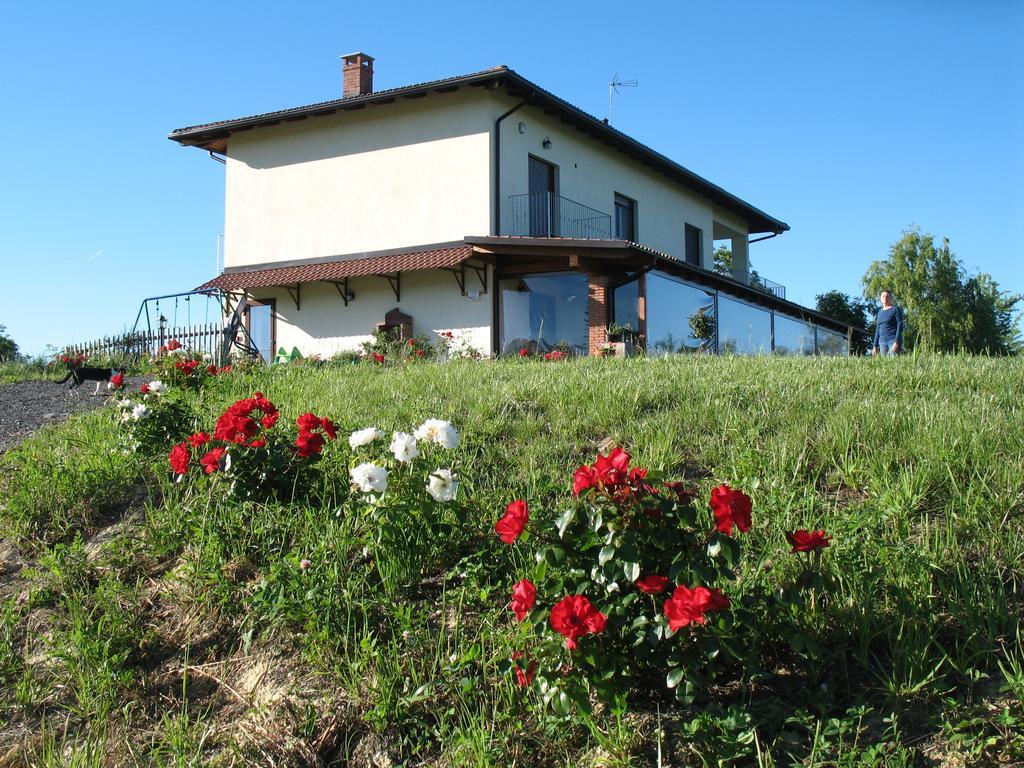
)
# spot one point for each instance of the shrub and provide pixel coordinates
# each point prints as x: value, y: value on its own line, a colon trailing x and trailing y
x: 626, y: 587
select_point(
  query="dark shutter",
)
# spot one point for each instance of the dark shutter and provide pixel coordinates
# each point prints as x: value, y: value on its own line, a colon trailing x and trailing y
x: 542, y: 199
x: 693, y: 238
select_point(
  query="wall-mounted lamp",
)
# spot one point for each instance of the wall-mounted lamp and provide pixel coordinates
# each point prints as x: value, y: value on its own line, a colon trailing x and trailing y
x: 350, y: 296
x: 546, y: 143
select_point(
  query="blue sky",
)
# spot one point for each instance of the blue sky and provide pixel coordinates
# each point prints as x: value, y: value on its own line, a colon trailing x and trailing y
x: 850, y: 121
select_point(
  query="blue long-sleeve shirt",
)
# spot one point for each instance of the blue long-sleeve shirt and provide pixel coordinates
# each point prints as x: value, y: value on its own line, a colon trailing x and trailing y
x: 888, y: 326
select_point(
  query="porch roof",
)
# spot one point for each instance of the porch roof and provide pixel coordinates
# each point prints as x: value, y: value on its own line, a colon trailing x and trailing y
x: 234, y: 279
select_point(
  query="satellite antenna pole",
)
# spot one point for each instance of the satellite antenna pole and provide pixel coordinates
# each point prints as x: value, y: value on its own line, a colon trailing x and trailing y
x: 613, y: 88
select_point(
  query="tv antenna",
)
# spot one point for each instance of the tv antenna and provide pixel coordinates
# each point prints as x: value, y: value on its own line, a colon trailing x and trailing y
x: 613, y: 89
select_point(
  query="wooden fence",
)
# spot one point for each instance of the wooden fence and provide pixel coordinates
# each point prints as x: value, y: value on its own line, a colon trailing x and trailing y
x: 204, y: 339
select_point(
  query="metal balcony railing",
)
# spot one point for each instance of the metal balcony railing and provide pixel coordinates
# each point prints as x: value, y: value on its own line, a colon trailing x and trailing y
x: 757, y: 282
x: 545, y: 214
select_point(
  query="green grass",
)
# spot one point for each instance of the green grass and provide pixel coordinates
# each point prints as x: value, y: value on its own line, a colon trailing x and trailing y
x: 913, y: 465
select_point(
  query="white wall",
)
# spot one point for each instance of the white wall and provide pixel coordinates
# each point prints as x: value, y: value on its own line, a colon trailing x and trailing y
x: 408, y: 173
x: 590, y: 173
x: 324, y: 325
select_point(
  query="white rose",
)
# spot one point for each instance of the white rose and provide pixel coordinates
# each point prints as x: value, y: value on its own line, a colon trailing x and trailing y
x: 364, y: 437
x: 403, y: 445
x: 157, y: 387
x: 139, y: 411
x: 368, y: 477
x: 438, y: 431
x: 442, y: 485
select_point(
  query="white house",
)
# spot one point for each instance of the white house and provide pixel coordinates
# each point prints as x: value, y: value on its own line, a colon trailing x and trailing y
x: 485, y: 206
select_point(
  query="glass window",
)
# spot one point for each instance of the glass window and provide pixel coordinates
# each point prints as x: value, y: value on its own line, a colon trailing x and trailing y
x: 625, y: 218
x: 627, y: 305
x: 743, y: 329
x: 541, y: 312
x: 793, y: 337
x: 680, y: 317
x: 831, y: 343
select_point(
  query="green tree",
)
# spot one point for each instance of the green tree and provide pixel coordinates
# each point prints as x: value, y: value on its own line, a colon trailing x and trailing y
x: 859, y: 313
x: 8, y: 349
x: 944, y: 311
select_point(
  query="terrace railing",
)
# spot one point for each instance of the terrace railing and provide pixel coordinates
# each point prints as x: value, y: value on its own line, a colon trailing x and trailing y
x: 759, y: 283
x: 545, y: 214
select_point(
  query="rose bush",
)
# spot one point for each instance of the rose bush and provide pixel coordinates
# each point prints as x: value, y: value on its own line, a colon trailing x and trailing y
x: 182, y: 368
x: 249, y: 455
x: 404, y: 496
x: 629, y: 586
x: 150, y: 417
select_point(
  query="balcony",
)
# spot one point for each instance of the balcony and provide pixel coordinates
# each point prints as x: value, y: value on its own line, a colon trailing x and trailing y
x: 757, y: 282
x: 545, y: 214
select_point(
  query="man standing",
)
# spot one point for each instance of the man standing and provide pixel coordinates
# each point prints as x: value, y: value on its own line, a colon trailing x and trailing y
x: 888, y: 327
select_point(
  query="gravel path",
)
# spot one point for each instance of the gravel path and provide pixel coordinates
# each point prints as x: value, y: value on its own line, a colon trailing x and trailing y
x: 27, y: 405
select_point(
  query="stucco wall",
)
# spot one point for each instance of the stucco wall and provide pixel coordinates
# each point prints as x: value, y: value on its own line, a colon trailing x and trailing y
x: 591, y: 173
x: 408, y: 173
x: 324, y: 325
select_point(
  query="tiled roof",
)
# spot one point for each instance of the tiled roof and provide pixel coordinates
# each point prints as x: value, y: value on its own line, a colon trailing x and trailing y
x: 339, y: 270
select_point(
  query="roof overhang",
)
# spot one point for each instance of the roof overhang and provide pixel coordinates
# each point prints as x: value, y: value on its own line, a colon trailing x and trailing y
x: 521, y: 254
x: 214, y: 136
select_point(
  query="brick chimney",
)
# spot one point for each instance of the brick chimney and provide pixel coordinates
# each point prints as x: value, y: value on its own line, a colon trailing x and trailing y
x: 356, y: 74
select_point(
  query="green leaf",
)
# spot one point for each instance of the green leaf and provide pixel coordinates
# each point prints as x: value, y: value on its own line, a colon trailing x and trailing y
x: 555, y: 555
x: 631, y: 571
x: 564, y: 520
x: 674, y: 676
x: 606, y: 554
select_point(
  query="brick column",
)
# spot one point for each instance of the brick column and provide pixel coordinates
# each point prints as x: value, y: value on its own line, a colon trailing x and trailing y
x: 597, y: 312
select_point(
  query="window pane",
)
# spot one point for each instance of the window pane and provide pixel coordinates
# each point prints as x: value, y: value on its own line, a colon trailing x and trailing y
x: 793, y: 337
x: 627, y: 298
x: 624, y: 218
x: 680, y: 317
x: 743, y: 329
x: 260, y: 320
x: 541, y: 312
x: 831, y: 343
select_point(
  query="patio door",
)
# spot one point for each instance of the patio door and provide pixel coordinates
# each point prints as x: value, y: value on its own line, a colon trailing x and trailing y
x: 260, y: 323
x: 543, y: 203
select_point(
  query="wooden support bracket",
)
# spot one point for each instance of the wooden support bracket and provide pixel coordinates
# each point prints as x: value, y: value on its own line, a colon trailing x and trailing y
x: 395, y: 279
x: 295, y: 291
x: 342, y: 289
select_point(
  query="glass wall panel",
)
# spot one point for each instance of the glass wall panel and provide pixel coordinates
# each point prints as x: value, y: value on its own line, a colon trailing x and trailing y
x: 627, y: 298
x: 541, y: 312
x: 743, y: 329
x: 793, y: 337
x: 832, y: 343
x: 680, y: 317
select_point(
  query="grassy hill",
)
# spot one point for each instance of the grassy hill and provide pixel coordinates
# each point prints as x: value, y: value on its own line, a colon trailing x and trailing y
x: 144, y: 625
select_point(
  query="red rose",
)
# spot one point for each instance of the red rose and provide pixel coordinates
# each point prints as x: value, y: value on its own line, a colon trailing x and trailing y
x: 524, y: 352
x: 258, y: 443
x: 410, y: 342
x: 173, y: 344
x: 180, y: 458
x: 329, y: 428
x: 524, y: 597
x: 198, y: 440
x: 421, y: 352
x: 513, y: 521
x: 117, y: 380
x: 731, y: 507
x: 652, y: 585
x: 308, y: 422
x: 211, y: 461
x: 270, y: 419
x: 309, y: 444
x: 212, y: 370
x: 524, y: 676
x: 225, y: 369
x: 583, y: 478
x: 378, y: 357
x: 575, y: 616
x: 808, y: 541
x: 688, y: 606
x: 144, y: 389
